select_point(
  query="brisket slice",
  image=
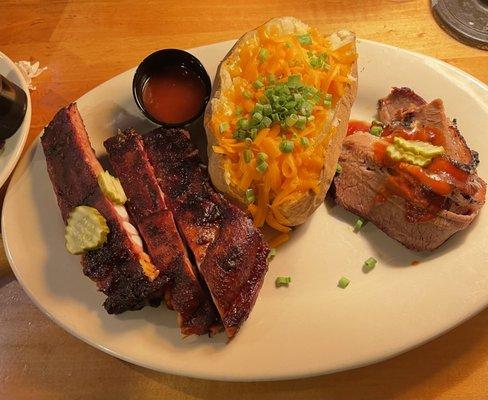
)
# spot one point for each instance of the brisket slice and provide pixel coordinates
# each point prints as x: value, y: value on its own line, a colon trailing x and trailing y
x: 73, y: 169
x: 148, y: 210
x: 403, y: 106
x: 400, y: 100
x: 229, y: 251
x: 362, y: 181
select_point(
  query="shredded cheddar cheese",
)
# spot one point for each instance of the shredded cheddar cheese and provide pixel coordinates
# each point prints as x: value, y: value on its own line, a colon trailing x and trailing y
x: 294, y: 143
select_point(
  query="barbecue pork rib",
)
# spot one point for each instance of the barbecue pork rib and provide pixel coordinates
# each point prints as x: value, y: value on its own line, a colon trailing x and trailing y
x: 360, y: 187
x: 230, y: 252
x: 120, y: 267
x: 147, y: 208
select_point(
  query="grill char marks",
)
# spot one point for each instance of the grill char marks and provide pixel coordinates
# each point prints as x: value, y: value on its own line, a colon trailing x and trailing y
x: 147, y: 207
x: 73, y: 169
x: 230, y: 252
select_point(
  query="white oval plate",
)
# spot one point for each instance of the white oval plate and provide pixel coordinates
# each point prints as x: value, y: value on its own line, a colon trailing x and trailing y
x: 310, y: 328
x: 14, y: 145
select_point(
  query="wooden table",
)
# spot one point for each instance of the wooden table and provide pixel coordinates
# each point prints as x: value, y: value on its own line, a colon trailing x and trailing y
x: 84, y: 43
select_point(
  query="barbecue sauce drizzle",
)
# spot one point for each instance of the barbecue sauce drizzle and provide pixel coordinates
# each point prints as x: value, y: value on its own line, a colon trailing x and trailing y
x: 425, y: 190
x: 355, y: 125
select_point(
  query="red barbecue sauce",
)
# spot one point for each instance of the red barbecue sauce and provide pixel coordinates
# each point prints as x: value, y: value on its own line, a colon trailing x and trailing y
x: 408, y: 181
x: 357, y: 126
x: 174, y: 95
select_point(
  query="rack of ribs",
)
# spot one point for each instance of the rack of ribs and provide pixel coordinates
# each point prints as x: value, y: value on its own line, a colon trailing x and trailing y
x: 229, y: 251
x: 120, y: 268
x: 147, y: 209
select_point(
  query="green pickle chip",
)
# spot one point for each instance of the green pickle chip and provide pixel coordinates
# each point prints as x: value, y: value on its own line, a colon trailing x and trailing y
x: 413, y: 151
x: 111, y: 188
x: 86, y: 230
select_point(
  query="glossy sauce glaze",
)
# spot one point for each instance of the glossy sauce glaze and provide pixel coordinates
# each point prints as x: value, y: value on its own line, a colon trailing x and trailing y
x: 357, y: 126
x: 425, y: 189
x: 174, y: 95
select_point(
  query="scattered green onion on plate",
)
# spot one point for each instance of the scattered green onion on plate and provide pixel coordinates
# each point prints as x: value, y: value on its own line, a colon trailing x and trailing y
x: 369, y: 264
x: 343, y: 282
x: 282, y: 281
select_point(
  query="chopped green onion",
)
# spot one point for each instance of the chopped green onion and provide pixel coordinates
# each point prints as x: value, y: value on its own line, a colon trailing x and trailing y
x: 239, y: 134
x: 376, y: 130
x: 266, y: 122
x: 250, y: 196
x: 247, y: 94
x: 291, y: 120
x: 247, y: 156
x: 297, y: 97
x: 328, y: 96
x: 314, y: 62
x: 258, y: 84
x: 359, y: 224
x: 378, y: 123
x: 262, y: 156
x: 327, y: 103
x: 305, y: 141
x: 271, y: 254
x: 267, y: 109
x: 302, y: 121
x: 257, y: 117
x: 262, y: 167
x: 286, y: 146
x: 290, y: 105
x: 343, y: 282
x: 248, y: 141
x: 224, y: 127
x: 285, y: 89
x: 293, y: 81
x: 306, y: 108
x: 318, y: 61
x: 243, y: 123
x: 338, y: 168
x: 369, y: 264
x: 238, y: 110
x: 305, y: 39
x: 271, y: 78
x: 258, y: 108
x: 282, y: 281
x: 263, y: 54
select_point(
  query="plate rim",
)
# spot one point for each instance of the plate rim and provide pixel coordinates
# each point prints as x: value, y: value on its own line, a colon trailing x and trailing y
x: 24, y: 163
x: 24, y: 127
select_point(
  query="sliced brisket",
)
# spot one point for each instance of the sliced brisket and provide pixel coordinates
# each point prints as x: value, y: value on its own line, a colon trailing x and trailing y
x: 421, y: 220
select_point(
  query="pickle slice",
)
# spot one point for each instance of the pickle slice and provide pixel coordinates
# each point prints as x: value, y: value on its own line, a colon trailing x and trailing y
x: 111, y: 188
x: 86, y: 230
x: 413, y: 151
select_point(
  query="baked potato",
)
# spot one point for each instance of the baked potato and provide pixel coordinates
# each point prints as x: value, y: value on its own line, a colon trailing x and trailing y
x: 277, y: 117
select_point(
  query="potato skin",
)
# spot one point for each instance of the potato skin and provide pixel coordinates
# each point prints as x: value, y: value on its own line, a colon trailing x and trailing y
x: 296, y: 211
